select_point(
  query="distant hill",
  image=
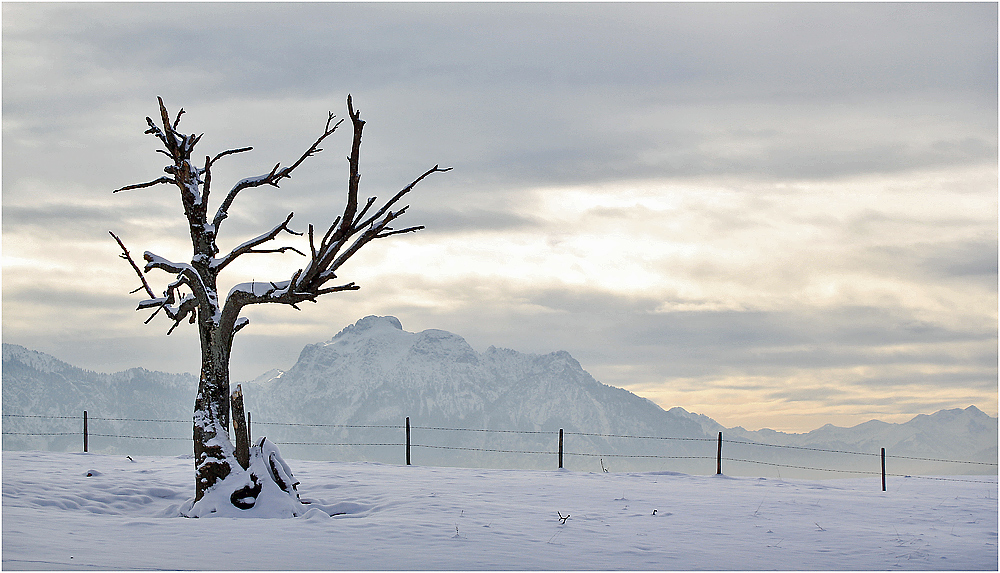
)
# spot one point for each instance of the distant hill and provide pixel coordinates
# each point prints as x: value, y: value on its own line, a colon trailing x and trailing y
x: 954, y: 434
x: 374, y: 373
x: 36, y: 384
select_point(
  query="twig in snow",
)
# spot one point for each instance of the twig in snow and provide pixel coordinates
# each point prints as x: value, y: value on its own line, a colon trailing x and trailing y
x: 562, y: 518
x: 554, y: 535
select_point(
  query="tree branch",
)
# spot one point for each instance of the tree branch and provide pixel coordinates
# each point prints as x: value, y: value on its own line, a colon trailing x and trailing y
x: 274, y: 176
x: 163, y: 179
x: 154, y: 261
x: 403, y: 191
x: 399, y: 232
x: 229, y: 152
x: 248, y: 247
x: 128, y: 257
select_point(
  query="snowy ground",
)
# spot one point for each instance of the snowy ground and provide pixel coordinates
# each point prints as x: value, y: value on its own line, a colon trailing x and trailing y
x: 123, y: 516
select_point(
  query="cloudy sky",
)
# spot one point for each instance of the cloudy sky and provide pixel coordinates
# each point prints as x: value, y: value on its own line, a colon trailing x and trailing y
x: 777, y: 215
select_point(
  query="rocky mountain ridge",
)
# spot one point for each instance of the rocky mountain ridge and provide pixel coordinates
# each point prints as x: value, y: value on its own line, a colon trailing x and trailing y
x: 360, y: 386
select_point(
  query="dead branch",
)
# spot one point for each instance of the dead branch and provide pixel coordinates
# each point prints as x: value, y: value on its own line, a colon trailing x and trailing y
x: 403, y: 191
x: 229, y: 152
x: 163, y: 179
x: 249, y: 246
x: 128, y: 257
x: 275, y: 175
x: 390, y: 232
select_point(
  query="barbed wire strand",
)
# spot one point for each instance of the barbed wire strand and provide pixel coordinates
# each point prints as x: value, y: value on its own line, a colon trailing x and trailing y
x: 485, y: 430
x: 855, y: 453
x: 856, y: 471
x: 639, y: 456
x: 639, y: 437
x: 38, y: 416
x: 333, y: 444
x: 937, y: 460
x: 43, y: 434
x: 256, y: 423
x: 188, y: 438
x: 481, y: 449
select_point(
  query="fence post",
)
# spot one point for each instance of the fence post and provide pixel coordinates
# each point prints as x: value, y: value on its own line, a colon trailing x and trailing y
x: 84, y: 430
x: 883, y: 469
x: 407, y: 440
x: 560, y: 448
x: 249, y: 435
x: 718, y: 457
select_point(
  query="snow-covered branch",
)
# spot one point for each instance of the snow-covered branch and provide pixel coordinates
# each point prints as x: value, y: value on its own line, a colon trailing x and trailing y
x: 154, y: 261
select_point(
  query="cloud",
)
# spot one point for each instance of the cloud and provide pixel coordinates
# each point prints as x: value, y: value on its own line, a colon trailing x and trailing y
x: 756, y: 199
x: 553, y: 93
x: 448, y: 220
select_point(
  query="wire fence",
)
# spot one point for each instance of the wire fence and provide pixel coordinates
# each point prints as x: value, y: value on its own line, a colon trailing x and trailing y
x: 85, y: 433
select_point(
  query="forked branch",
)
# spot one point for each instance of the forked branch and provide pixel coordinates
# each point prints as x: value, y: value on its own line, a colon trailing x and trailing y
x: 343, y: 239
x: 250, y: 246
x: 275, y: 175
x: 128, y: 257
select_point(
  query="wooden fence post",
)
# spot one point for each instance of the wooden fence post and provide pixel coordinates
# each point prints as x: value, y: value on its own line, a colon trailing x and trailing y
x: 883, y: 469
x: 85, y: 431
x: 718, y: 457
x: 407, y: 440
x: 560, y: 448
x: 249, y: 435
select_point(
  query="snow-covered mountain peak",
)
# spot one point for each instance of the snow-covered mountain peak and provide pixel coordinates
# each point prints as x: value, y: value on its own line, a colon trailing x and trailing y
x: 563, y: 360
x: 441, y: 345
x: 37, y: 360
x: 709, y: 425
x: 370, y: 325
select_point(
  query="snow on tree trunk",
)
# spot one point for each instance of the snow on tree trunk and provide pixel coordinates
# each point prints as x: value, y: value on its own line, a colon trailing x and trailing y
x: 214, y: 453
x: 266, y: 489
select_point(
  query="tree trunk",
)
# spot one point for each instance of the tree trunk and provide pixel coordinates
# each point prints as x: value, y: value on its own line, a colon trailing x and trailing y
x: 214, y: 455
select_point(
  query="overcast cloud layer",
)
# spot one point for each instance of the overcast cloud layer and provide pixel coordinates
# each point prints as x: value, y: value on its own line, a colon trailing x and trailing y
x: 776, y: 215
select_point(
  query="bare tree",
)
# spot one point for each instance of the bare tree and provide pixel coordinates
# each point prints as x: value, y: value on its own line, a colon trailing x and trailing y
x: 193, y: 293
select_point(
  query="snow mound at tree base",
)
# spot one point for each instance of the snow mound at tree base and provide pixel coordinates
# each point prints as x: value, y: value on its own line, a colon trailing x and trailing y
x: 267, y: 489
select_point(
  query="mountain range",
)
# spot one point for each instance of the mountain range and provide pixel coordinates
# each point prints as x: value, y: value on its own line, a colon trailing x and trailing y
x: 360, y: 387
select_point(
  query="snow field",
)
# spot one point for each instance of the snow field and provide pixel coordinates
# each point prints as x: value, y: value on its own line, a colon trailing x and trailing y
x: 123, y: 516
